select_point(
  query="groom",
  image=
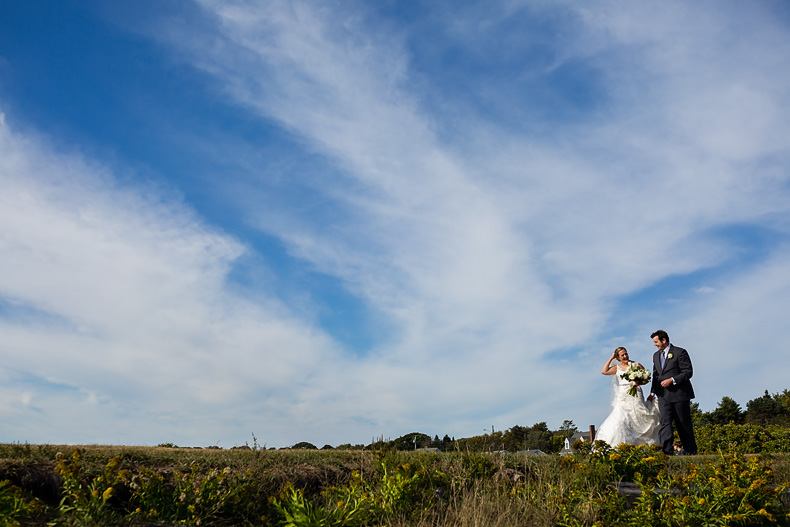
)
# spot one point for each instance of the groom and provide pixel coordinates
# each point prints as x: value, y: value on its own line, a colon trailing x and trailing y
x: 671, y: 373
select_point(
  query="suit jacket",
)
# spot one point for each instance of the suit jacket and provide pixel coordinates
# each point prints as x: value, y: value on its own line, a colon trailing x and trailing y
x: 677, y: 366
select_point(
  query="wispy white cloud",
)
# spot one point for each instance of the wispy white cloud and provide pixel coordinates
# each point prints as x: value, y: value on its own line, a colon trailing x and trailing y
x: 123, y: 305
x: 736, y: 332
x: 495, y: 250
x: 516, y: 245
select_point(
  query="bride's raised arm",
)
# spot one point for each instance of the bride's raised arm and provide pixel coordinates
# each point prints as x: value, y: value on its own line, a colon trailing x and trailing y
x: 608, y: 369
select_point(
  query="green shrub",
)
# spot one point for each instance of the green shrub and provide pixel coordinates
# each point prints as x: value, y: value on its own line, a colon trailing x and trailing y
x: 732, y: 491
x: 743, y: 438
x: 477, y: 466
x: 15, y: 507
x: 192, y: 497
x: 403, y: 491
x: 635, y: 463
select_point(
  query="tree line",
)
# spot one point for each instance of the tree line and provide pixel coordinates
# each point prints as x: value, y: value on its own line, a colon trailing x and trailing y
x: 766, y: 410
x: 515, y: 439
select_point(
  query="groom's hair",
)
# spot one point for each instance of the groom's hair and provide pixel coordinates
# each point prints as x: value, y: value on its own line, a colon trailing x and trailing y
x: 661, y: 334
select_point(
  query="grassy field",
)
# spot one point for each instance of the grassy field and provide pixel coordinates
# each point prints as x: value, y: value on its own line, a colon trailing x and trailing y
x: 110, y: 485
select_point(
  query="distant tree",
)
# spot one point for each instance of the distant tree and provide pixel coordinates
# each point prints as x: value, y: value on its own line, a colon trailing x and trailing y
x: 568, y: 428
x: 557, y: 442
x: 767, y: 410
x: 349, y: 446
x: 327, y: 447
x: 411, y: 441
x: 727, y: 412
x: 515, y: 438
x: 483, y: 443
x: 379, y: 444
x: 537, y: 437
x: 698, y: 417
x: 495, y: 441
x: 540, y: 437
x: 304, y: 445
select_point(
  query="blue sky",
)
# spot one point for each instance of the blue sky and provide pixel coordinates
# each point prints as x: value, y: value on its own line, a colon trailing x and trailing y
x: 335, y: 221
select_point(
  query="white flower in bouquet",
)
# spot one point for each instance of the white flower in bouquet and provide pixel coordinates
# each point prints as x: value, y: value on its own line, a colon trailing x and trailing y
x: 637, y: 375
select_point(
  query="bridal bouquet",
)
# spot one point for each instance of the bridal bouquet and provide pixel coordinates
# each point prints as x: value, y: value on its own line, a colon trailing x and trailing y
x: 636, y: 374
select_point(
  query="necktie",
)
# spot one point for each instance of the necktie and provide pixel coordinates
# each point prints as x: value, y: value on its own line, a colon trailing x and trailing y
x: 663, y: 359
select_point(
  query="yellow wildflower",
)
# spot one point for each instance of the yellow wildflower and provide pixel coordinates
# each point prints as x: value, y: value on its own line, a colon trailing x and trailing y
x: 107, y: 494
x: 701, y: 501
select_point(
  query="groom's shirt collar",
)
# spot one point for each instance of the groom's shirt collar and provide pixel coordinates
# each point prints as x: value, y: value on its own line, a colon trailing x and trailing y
x: 666, y: 349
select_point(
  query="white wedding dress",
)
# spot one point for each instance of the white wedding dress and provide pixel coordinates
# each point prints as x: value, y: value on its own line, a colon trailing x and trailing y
x: 633, y: 420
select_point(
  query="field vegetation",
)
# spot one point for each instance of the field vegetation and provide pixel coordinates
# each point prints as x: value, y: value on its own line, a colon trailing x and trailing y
x: 741, y: 477
x: 598, y: 485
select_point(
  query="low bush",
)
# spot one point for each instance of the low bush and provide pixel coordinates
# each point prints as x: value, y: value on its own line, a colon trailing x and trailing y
x: 744, y: 438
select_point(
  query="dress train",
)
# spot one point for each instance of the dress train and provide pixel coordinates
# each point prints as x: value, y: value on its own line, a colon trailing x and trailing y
x: 633, y: 419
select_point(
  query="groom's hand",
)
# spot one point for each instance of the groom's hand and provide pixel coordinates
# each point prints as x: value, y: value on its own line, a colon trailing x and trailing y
x: 667, y: 382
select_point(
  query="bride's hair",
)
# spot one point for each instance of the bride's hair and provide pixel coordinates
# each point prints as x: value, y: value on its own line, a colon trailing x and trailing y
x: 617, y: 352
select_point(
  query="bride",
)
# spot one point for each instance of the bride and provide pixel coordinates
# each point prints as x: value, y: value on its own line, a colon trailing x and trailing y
x: 633, y: 420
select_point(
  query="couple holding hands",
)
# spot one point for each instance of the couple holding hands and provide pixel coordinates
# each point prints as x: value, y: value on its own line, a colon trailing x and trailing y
x: 638, y: 421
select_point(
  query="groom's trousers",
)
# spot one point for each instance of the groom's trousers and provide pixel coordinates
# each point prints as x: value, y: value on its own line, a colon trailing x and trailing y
x: 679, y: 414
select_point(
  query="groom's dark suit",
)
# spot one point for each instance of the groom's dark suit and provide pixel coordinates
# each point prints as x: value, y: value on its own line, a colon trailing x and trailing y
x: 674, y: 401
